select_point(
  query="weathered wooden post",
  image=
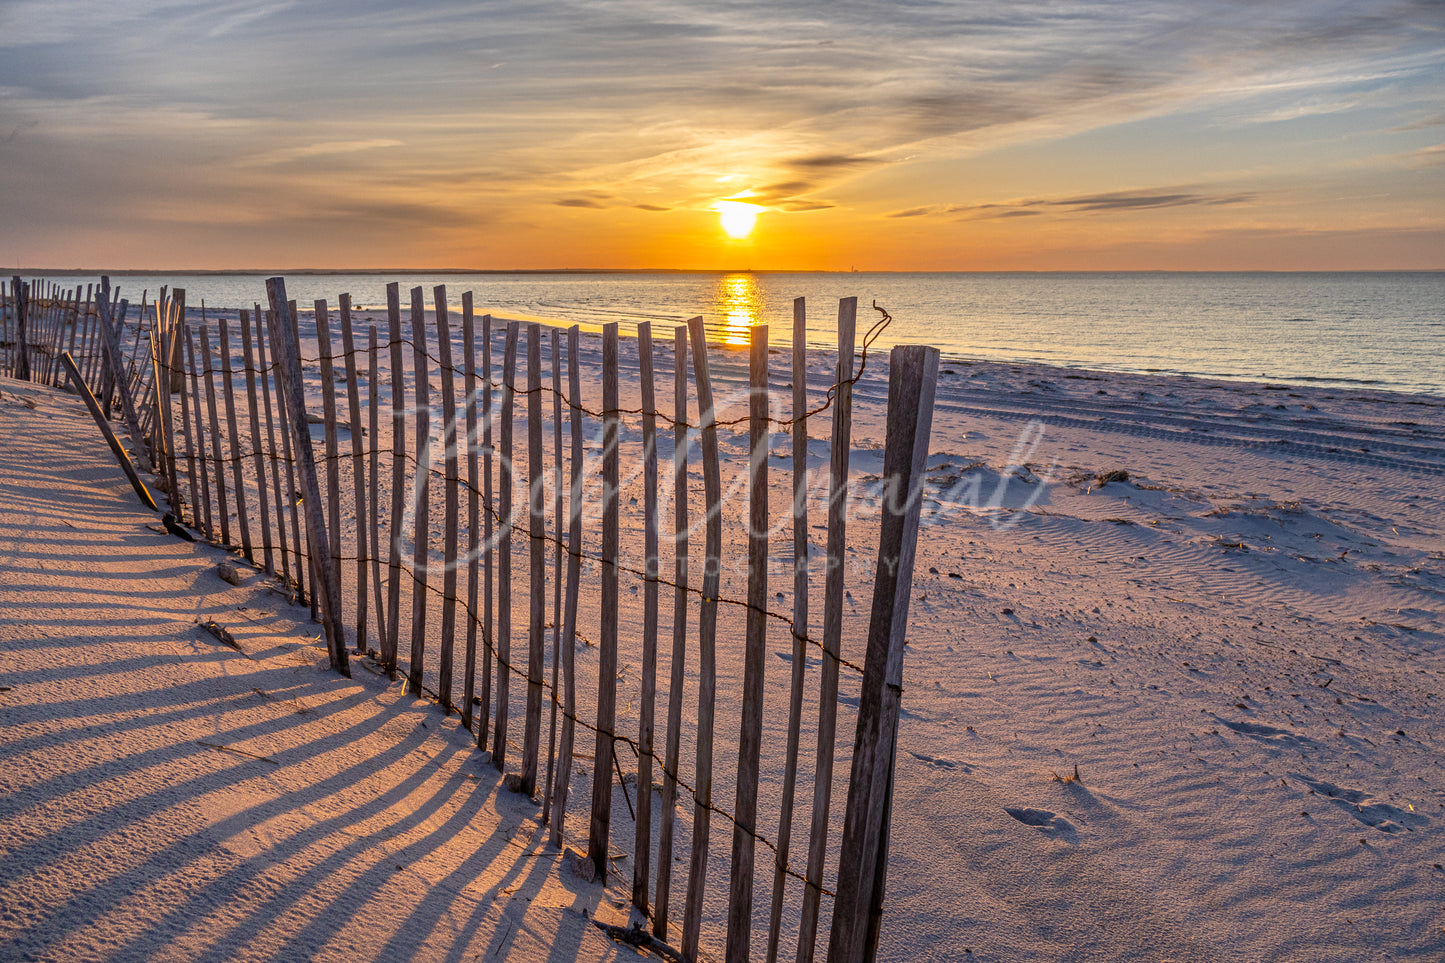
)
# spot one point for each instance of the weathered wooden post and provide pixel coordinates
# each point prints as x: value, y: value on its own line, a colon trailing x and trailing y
x: 642, y: 849
x: 706, y: 643
x: 365, y: 507
x: 390, y: 642
x: 598, y: 836
x: 863, y: 860
x: 673, y: 750
x: 474, y: 539
x: 574, y: 574
x: 421, y: 507
x: 800, y: 618
x: 450, y: 495
x: 504, y: 552
x: 537, y: 557
x: 20, y: 350
x: 833, y: 588
x: 287, y: 350
x: 750, y: 729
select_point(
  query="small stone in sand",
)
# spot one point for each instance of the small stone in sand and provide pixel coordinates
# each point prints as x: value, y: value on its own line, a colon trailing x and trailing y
x: 229, y: 573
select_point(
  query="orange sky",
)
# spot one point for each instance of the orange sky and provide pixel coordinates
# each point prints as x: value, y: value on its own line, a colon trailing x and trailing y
x: 215, y: 135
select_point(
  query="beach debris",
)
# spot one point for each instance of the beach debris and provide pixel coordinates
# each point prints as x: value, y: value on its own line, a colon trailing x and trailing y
x: 223, y: 635
x: 228, y: 572
x: 579, y: 866
x: 1117, y: 475
x: 240, y: 752
x: 175, y: 528
x: 636, y: 936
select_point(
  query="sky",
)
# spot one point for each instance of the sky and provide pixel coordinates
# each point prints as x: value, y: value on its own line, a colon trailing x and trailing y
x: 938, y: 136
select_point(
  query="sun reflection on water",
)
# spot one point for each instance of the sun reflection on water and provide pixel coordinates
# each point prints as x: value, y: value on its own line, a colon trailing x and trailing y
x: 737, y: 304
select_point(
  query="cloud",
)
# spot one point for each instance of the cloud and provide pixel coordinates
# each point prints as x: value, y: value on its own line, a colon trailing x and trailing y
x: 586, y: 202
x: 286, y: 155
x: 650, y: 207
x: 831, y: 162
x: 1141, y: 200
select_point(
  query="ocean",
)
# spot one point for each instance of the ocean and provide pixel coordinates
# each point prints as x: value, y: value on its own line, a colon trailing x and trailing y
x: 1384, y: 330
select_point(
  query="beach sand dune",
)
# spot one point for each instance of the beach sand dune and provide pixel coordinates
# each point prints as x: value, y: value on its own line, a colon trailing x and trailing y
x: 167, y: 796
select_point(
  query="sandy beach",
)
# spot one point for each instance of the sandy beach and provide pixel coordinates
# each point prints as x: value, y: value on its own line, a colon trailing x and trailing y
x: 1173, y: 691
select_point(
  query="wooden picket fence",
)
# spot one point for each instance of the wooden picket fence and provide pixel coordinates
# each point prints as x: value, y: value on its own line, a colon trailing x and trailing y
x: 236, y: 446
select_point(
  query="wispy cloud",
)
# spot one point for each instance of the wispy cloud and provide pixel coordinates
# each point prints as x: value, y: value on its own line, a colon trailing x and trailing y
x: 286, y: 155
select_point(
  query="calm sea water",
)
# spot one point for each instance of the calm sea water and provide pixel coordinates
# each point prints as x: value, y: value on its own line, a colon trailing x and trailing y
x: 1384, y: 330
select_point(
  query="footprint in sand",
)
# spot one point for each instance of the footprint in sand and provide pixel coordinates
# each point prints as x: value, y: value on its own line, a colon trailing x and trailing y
x: 1050, y: 824
x: 938, y: 762
x: 1266, y: 734
x: 1379, y: 815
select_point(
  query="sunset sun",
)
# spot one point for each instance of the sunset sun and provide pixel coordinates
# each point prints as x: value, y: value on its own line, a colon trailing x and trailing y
x: 737, y: 218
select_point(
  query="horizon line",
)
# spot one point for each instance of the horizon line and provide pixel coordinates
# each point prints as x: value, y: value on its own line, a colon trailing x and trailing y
x: 271, y: 272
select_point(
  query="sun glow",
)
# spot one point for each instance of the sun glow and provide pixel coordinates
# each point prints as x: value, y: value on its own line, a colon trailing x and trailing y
x: 736, y: 217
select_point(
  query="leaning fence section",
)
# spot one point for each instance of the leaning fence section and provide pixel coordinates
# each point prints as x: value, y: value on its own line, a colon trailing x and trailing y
x: 261, y: 437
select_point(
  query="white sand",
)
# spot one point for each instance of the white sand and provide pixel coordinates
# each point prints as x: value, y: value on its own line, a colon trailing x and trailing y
x: 1242, y: 649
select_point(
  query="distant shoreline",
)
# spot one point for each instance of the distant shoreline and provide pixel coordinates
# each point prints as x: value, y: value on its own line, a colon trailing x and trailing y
x: 415, y: 272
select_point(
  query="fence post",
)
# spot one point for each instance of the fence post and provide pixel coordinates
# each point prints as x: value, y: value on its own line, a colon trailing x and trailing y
x: 373, y: 460
x: 642, y: 850
x: 673, y: 749
x: 223, y: 340
x: 258, y: 457
x: 597, y: 839
x: 264, y: 368
x: 469, y: 372
x: 574, y: 569
x: 197, y: 415
x: 750, y: 728
x: 489, y: 643
x: 421, y: 479
x: 537, y: 557
x: 445, y: 656
x: 20, y: 350
x: 288, y: 351
x: 862, y: 864
x: 120, y: 456
x: 222, y: 511
x: 333, y: 465
x: 504, y: 551
x: 391, y: 641
x: 706, y: 644
x: 557, y: 576
x: 832, y: 626
x: 365, y: 507
x: 800, y: 617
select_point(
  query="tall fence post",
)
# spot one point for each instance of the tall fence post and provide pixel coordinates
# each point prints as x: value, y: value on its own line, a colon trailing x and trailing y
x: 421, y: 506
x: 750, y: 727
x: 800, y: 618
x: 390, y: 642
x: 450, y: 497
x: 537, y: 558
x: 598, y: 837
x: 642, y: 850
x: 673, y: 749
x: 20, y: 350
x: 833, y: 588
x: 863, y: 860
x: 706, y: 644
x: 504, y: 552
x: 287, y: 349
x: 574, y: 569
